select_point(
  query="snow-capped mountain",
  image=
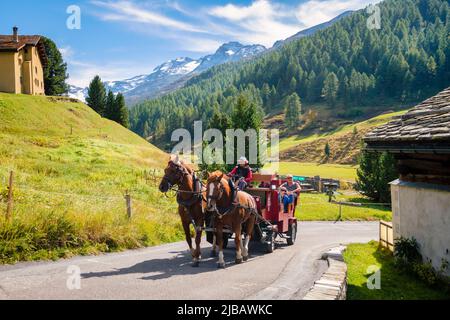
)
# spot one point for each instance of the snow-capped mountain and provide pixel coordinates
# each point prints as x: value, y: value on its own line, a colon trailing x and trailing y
x: 229, y: 52
x: 173, y: 74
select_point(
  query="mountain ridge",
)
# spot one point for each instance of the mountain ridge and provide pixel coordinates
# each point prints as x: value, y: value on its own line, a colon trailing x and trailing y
x: 173, y: 74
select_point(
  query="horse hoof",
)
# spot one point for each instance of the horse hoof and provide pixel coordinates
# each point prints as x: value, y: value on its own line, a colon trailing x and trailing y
x: 195, y: 264
x: 245, y: 258
x: 238, y: 261
x: 221, y: 266
x: 213, y: 254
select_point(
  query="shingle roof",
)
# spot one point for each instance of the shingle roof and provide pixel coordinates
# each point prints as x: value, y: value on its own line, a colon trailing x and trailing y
x: 425, y: 123
x: 7, y: 44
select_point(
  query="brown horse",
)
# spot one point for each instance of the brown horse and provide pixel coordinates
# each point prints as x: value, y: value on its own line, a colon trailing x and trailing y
x: 190, y: 201
x: 232, y: 209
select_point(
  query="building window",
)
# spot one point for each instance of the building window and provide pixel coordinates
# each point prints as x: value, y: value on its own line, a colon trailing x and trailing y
x: 35, y: 68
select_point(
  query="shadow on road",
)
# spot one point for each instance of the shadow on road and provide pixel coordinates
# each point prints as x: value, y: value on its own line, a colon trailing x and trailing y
x: 180, y: 264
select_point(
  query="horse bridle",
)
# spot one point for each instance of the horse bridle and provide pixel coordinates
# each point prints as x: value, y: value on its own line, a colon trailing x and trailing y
x: 181, y: 173
x: 219, y: 196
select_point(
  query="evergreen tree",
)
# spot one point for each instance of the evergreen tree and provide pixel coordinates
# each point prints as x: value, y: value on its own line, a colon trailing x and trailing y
x: 246, y: 115
x: 331, y: 88
x: 55, y: 72
x: 293, y: 111
x: 121, y: 111
x: 327, y: 150
x: 96, y: 98
x: 110, y: 107
x: 376, y: 171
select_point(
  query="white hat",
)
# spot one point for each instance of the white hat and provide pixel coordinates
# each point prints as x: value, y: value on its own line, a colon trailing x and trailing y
x: 243, y: 160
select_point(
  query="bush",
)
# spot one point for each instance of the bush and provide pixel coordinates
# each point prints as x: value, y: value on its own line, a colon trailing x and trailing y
x: 426, y: 272
x: 407, y: 251
x: 407, y: 256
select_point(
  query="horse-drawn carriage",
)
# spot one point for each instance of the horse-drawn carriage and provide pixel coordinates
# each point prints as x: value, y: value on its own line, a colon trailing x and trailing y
x: 272, y: 221
x: 223, y: 211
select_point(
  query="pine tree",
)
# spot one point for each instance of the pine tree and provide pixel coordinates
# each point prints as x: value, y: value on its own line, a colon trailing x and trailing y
x: 331, y: 88
x: 55, y: 72
x: 110, y: 107
x: 375, y: 172
x: 293, y: 111
x: 327, y: 150
x: 121, y: 111
x: 96, y: 98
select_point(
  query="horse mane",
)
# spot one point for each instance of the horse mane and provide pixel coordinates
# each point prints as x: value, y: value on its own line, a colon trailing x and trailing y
x: 216, y: 175
x: 187, y: 166
x: 175, y: 160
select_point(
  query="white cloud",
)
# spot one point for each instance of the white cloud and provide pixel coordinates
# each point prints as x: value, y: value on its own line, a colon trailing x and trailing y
x: 261, y: 22
x: 66, y: 52
x: 314, y: 12
x: 129, y: 12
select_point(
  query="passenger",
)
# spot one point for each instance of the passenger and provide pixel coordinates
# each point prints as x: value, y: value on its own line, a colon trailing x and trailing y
x: 291, y: 190
x: 242, y: 173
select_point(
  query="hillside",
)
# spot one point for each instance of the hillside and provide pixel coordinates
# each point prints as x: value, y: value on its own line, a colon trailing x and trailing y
x: 344, y: 139
x: 71, y: 170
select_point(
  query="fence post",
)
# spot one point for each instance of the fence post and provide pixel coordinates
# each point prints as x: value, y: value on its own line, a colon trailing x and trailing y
x: 128, y: 203
x: 10, y: 196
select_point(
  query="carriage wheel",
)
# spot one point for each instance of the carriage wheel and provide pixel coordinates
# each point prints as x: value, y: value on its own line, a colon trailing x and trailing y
x: 270, y: 246
x: 292, y: 234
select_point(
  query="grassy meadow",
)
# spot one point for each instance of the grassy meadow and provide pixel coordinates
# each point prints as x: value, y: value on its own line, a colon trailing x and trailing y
x: 71, y: 171
x: 394, y: 284
x: 331, y: 171
x: 315, y: 207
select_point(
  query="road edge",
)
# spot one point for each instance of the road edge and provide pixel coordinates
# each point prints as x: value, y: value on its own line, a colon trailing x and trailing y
x: 333, y: 283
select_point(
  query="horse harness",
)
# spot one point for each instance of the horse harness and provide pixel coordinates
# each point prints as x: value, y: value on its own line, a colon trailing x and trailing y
x: 196, y: 194
x: 221, y: 212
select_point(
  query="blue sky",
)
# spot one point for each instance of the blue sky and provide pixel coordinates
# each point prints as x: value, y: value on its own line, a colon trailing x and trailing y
x: 119, y: 39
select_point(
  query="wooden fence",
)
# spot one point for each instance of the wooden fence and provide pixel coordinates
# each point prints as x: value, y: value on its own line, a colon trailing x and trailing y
x: 386, y: 235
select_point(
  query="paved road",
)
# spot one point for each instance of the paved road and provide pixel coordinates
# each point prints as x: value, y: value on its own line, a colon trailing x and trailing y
x: 164, y: 272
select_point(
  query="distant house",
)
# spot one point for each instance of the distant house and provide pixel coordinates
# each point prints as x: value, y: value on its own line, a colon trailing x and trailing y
x: 420, y: 142
x: 22, y: 59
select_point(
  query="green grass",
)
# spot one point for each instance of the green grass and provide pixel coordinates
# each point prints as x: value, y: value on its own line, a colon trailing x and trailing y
x: 71, y: 169
x: 395, y: 285
x: 315, y: 207
x: 294, y: 141
x: 331, y: 171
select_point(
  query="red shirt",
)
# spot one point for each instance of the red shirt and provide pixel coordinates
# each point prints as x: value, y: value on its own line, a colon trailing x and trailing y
x: 248, y: 178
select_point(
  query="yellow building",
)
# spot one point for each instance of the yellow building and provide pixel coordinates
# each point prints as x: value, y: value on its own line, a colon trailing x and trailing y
x: 22, y: 59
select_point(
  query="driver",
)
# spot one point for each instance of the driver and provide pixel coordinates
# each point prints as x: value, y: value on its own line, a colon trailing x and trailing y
x: 242, y: 173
